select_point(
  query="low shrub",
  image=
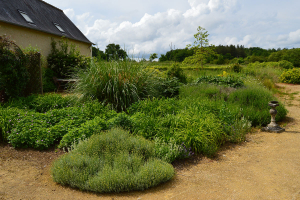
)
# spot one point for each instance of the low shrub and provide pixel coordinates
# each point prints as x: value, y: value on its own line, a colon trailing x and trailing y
x: 290, y: 76
x: 228, y: 80
x: 165, y: 87
x: 177, y: 72
x: 253, y: 100
x: 112, y: 162
x: 190, y: 122
x: 236, y: 67
x: 285, y: 64
x: 26, y: 128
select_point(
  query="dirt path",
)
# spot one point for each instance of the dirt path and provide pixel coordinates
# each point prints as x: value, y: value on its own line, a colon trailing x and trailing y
x: 266, y: 166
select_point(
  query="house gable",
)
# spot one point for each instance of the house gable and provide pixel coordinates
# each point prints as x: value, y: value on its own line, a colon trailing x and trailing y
x: 40, y: 16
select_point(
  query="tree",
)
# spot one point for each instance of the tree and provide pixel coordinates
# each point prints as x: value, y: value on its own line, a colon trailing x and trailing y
x: 96, y: 52
x: 201, y: 48
x: 114, y: 52
x: 152, y: 57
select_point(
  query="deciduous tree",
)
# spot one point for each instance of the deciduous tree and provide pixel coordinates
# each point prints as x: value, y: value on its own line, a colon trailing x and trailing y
x: 201, y: 48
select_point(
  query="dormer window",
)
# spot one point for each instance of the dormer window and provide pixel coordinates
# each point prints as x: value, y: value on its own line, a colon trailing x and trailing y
x: 26, y: 17
x: 59, y: 28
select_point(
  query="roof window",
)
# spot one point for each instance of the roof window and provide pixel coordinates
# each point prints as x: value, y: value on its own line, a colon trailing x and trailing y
x: 59, y: 28
x: 26, y: 17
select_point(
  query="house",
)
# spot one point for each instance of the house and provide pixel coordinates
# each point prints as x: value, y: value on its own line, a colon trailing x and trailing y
x: 35, y: 22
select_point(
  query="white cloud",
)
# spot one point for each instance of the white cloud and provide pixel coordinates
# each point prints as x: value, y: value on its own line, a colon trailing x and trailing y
x: 227, y: 21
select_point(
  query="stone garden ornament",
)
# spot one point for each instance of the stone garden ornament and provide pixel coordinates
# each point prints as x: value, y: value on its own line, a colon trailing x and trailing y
x: 273, y: 127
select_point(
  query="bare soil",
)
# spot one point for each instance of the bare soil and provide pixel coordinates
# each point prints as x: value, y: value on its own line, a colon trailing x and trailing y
x: 266, y: 166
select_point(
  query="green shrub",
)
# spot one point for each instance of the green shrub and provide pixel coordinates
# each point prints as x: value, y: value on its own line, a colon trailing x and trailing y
x: 253, y: 100
x: 236, y: 67
x: 177, y: 72
x: 85, y: 130
x: 190, y: 122
x: 165, y: 87
x: 230, y: 80
x: 112, y: 162
x: 26, y: 128
x: 116, y: 83
x: 204, y: 90
x: 14, y: 75
x: 48, y: 83
x: 66, y: 60
x: 290, y: 76
x: 285, y: 64
x: 42, y: 103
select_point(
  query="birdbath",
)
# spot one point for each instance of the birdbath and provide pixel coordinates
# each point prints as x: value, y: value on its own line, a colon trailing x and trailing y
x: 273, y: 127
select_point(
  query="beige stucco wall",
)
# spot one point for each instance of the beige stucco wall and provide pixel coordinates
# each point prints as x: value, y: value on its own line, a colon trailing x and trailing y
x: 24, y: 37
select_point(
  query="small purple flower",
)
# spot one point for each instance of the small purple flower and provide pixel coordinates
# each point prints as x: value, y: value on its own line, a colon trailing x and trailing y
x: 17, y: 133
x: 49, y: 131
x: 42, y: 140
x: 30, y: 129
x: 10, y: 120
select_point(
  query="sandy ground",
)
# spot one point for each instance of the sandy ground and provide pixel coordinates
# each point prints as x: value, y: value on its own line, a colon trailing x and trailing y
x: 266, y: 166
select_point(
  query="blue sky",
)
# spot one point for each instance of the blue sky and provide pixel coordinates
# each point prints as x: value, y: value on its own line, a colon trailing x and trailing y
x: 146, y: 27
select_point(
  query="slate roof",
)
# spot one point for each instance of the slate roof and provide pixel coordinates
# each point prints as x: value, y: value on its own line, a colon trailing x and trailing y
x: 43, y: 15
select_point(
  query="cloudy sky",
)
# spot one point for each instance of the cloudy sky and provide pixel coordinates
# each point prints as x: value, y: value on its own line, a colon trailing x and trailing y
x: 146, y: 27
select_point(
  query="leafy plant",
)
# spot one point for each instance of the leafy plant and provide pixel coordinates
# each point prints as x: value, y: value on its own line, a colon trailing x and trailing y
x: 290, y: 76
x: 177, y: 72
x: 112, y: 162
x: 236, y: 67
x: 230, y: 80
x: 66, y: 60
x: 14, y: 75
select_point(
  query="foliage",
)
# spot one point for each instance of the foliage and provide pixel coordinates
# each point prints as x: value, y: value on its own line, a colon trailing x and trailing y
x: 165, y: 87
x: 236, y: 68
x: 14, y: 75
x: 285, y: 64
x: 66, y: 59
x: 253, y: 100
x: 152, y: 57
x: 117, y: 83
x: 112, y: 162
x: 291, y: 55
x: 228, y: 80
x: 27, y: 128
x: 177, y: 72
x: 188, y: 122
x: 290, y: 76
x: 48, y: 83
x: 114, y: 52
x: 177, y: 55
x: 97, y: 53
x: 201, y: 48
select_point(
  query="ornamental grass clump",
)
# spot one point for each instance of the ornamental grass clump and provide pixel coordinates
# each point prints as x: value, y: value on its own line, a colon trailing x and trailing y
x: 118, y: 83
x: 112, y: 162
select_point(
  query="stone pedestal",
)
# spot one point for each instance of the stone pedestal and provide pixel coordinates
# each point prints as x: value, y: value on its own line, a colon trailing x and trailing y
x: 273, y: 127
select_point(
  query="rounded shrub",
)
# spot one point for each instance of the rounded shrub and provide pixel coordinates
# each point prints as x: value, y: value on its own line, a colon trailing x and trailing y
x: 236, y: 67
x: 177, y: 72
x: 112, y: 162
x: 285, y: 64
x: 290, y: 76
